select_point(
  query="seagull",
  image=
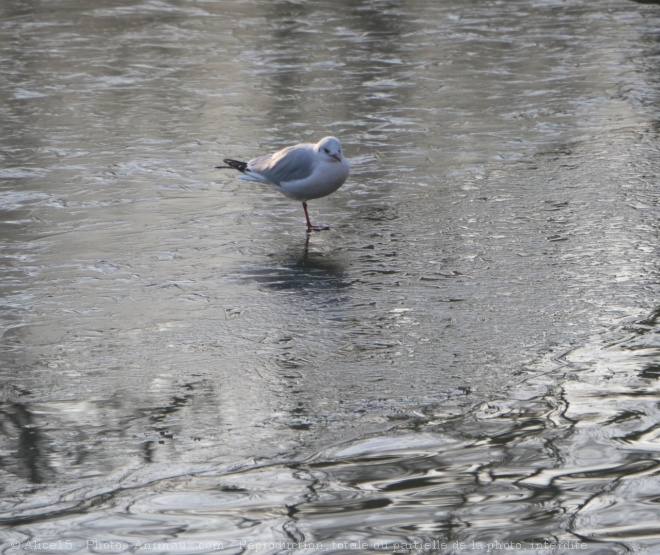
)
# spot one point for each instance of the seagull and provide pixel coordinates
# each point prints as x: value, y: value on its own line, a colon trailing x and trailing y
x: 301, y: 172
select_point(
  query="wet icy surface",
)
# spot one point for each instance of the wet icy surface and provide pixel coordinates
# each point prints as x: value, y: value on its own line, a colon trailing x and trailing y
x: 467, y: 362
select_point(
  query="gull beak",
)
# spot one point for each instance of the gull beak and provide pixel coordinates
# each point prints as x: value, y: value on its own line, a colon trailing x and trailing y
x: 337, y: 157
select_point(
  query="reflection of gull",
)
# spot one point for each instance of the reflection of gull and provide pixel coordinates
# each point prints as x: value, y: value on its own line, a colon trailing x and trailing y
x: 301, y: 172
x: 311, y: 272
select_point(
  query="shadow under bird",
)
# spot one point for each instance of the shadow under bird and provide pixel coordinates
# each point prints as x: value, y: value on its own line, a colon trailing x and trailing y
x: 302, y: 172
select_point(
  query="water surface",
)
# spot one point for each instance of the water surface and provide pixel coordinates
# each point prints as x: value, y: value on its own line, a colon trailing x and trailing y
x: 466, y: 363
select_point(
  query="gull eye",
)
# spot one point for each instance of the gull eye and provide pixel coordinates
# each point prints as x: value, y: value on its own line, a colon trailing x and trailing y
x: 326, y: 151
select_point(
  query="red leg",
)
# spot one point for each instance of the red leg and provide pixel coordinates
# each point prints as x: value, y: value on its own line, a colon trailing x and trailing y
x: 311, y: 227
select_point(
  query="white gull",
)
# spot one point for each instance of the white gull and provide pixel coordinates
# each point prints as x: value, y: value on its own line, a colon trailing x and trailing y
x: 302, y: 172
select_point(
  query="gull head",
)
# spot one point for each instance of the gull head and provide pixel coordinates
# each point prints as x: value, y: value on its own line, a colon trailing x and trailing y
x: 330, y: 149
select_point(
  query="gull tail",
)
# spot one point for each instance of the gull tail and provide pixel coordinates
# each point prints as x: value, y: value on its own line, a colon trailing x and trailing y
x: 233, y: 164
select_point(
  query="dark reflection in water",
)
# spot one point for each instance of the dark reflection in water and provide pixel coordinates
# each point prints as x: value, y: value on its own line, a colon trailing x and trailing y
x: 30, y: 463
x: 467, y: 362
x: 303, y: 270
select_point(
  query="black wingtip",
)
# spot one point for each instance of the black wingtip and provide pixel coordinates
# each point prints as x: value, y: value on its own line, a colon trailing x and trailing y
x: 234, y: 164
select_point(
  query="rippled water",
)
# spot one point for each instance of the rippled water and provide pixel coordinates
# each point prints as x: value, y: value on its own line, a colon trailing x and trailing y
x: 467, y: 362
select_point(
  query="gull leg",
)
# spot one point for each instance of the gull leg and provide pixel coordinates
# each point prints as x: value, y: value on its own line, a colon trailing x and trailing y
x: 311, y: 227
